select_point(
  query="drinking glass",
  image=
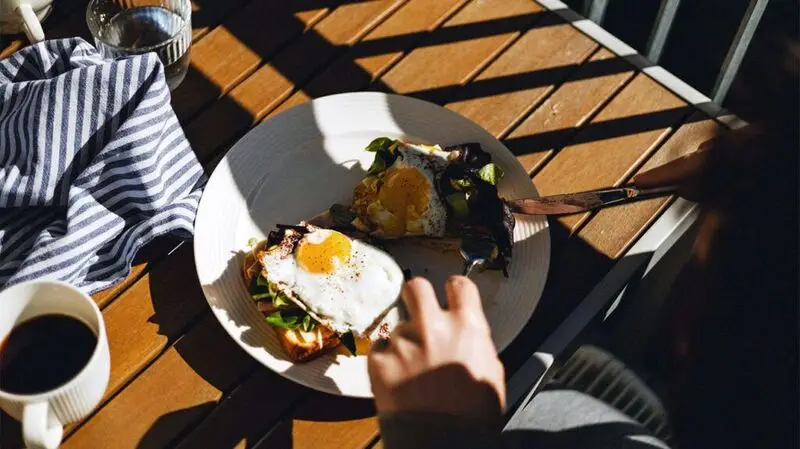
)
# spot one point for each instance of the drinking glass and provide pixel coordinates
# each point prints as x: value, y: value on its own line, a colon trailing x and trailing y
x: 132, y: 27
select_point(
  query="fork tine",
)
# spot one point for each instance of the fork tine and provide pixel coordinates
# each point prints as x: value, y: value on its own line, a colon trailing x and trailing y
x: 468, y: 267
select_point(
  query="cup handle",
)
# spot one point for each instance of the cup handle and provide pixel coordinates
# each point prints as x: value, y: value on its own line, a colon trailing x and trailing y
x: 33, y: 29
x: 37, y: 432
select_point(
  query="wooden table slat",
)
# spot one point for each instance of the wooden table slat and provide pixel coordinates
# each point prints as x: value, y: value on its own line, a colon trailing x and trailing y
x: 523, y: 75
x: 247, y: 414
x: 325, y: 421
x: 350, y: 72
x: 626, y: 130
x: 574, y: 103
x: 270, y: 84
x: 155, y: 251
x: 231, y: 52
x: 179, y: 388
x: 453, y: 63
x: 613, y: 230
x: 208, y: 14
x: 159, y: 302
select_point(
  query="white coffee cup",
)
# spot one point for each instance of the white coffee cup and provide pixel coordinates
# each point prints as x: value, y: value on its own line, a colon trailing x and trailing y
x: 24, y: 16
x: 44, y: 414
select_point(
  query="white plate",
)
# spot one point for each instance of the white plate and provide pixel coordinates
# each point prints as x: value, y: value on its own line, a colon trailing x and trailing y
x: 296, y: 165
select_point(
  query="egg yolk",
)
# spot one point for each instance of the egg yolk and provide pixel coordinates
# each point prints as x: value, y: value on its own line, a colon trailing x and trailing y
x: 325, y: 255
x: 405, y: 194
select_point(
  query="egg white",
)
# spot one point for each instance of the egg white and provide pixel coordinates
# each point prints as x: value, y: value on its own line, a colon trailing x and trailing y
x: 352, y: 297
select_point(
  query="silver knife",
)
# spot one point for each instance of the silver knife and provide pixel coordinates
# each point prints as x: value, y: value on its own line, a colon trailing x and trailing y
x: 572, y: 203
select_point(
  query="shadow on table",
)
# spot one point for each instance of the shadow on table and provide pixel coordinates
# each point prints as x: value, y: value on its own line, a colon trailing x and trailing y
x: 163, y: 430
x: 318, y: 409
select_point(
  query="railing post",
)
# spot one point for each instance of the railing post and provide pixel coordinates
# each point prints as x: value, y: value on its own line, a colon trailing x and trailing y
x: 738, y: 48
x: 595, y: 10
x: 660, y: 33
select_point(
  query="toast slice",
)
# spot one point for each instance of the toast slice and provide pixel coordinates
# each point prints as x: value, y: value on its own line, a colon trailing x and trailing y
x: 301, y: 346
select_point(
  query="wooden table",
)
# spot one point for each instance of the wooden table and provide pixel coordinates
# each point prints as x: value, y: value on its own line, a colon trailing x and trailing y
x: 577, y: 114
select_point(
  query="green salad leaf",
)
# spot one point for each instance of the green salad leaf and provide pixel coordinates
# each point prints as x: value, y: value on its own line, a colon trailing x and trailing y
x: 462, y: 184
x: 491, y: 173
x: 260, y: 296
x: 308, y: 323
x: 379, y: 164
x: 381, y: 143
x: 284, y: 320
x: 383, y: 147
x: 458, y: 202
x: 259, y: 288
x: 279, y: 301
x: 253, y: 287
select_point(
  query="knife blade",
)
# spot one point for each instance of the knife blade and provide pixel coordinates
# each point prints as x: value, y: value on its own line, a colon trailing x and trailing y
x: 573, y: 203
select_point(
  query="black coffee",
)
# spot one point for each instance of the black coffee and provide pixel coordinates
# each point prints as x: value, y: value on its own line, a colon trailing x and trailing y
x: 44, y: 353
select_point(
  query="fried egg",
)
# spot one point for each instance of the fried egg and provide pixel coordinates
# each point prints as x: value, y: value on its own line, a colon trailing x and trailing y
x: 345, y: 284
x: 402, y: 200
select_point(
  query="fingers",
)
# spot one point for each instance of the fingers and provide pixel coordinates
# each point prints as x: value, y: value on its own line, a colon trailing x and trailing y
x: 678, y: 172
x: 407, y: 331
x: 402, y: 347
x: 421, y: 302
x: 462, y: 295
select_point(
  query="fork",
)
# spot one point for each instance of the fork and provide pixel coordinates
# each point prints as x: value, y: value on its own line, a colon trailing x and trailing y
x: 475, y: 252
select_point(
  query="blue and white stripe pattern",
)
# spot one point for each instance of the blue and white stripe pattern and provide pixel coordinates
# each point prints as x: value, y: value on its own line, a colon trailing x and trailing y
x: 93, y: 164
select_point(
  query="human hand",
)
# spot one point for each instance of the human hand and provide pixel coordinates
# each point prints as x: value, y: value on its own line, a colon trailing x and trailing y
x: 718, y: 170
x: 440, y: 361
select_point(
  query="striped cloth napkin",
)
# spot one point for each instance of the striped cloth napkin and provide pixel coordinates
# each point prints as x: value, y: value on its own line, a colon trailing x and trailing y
x: 93, y: 164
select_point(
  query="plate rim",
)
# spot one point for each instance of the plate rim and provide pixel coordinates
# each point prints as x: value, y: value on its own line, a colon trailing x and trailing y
x: 376, y: 96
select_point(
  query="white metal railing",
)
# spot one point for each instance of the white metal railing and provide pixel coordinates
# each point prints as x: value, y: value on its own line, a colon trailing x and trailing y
x: 595, y: 10
x: 738, y: 48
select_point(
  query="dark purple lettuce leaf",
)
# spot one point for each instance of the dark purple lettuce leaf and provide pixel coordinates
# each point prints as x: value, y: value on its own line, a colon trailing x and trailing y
x: 471, y: 155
